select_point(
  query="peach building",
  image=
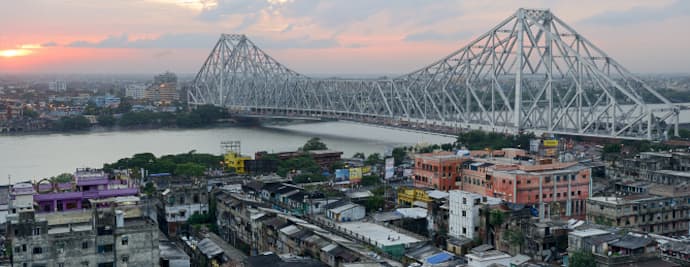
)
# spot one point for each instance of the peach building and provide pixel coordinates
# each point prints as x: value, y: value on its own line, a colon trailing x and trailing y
x: 438, y: 170
x: 554, y: 189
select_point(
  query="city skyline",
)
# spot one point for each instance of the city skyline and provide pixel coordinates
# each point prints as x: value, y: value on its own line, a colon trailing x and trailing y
x: 334, y: 37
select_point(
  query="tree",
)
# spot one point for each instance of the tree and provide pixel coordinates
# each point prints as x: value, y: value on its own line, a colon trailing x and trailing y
x: 106, y: 120
x: 62, y: 178
x: 149, y: 188
x: 358, y: 155
x: 30, y: 113
x: 399, y: 155
x: 74, y: 123
x: 447, y: 147
x: 189, y: 169
x: 496, y: 217
x: 582, y: 259
x: 369, y: 180
x: 314, y: 144
x: 373, y: 159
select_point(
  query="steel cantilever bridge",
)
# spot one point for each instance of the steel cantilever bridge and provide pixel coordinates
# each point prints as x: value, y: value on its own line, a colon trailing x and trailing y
x: 532, y: 72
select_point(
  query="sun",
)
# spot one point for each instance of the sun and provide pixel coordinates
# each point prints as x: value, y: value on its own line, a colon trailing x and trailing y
x: 14, y: 53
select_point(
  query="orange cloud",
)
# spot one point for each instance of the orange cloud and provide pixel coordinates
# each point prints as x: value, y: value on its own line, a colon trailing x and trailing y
x: 9, y: 53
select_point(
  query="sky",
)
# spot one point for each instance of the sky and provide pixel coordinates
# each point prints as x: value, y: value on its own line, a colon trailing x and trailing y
x: 315, y: 37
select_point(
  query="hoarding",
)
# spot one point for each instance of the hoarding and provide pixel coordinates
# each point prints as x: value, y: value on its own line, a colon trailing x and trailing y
x: 390, y: 168
x: 407, y: 173
x: 366, y: 170
x: 550, y: 143
x: 355, y: 175
x: 342, y: 176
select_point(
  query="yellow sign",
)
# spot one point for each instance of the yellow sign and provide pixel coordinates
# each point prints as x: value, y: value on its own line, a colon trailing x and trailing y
x: 550, y: 143
x: 366, y: 169
x: 355, y: 175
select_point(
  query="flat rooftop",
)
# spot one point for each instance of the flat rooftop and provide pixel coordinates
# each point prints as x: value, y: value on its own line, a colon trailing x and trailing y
x: 588, y: 232
x: 674, y: 173
x: 379, y: 235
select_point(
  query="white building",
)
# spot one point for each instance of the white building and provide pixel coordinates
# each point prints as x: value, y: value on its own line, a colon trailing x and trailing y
x: 463, y: 220
x: 346, y: 213
x: 57, y: 86
x: 22, y: 198
x: 487, y: 258
x: 135, y: 91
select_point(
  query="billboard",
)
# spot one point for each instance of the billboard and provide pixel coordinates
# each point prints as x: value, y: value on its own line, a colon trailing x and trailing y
x: 390, y: 168
x: 342, y: 176
x: 407, y: 173
x: 355, y: 175
x: 366, y: 170
x: 550, y: 143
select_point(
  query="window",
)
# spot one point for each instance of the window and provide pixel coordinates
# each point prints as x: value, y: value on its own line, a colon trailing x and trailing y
x: 464, y: 230
x: 106, y: 264
x: 38, y: 250
x: 37, y: 231
x: 464, y: 213
x: 61, y: 264
x: 24, y: 248
x: 464, y: 200
x: 105, y: 248
x: 85, y: 263
x: 125, y: 241
x: 84, y: 245
x: 125, y: 259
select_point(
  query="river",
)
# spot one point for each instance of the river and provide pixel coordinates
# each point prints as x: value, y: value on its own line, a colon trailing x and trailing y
x: 32, y: 157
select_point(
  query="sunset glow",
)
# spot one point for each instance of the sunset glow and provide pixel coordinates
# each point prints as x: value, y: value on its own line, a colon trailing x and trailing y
x: 9, y: 53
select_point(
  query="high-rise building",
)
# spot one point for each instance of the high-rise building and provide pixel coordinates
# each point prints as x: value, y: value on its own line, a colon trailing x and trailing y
x: 57, y: 86
x: 163, y: 89
x: 135, y: 91
x: 463, y: 217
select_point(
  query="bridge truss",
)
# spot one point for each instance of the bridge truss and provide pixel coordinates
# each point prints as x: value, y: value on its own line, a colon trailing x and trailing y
x: 532, y: 72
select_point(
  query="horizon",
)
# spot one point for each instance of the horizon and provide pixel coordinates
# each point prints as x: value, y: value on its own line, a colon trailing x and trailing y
x: 341, y: 38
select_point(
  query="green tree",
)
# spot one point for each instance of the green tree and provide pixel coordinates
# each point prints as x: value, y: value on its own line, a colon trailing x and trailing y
x: 399, y: 155
x: 447, y: 147
x: 30, y: 113
x: 62, y: 178
x: 314, y: 144
x: 149, y: 188
x: 374, y: 158
x: 358, y: 155
x: 189, y: 169
x: 496, y: 217
x: 106, y: 120
x: 74, y: 123
x: 582, y: 259
x: 369, y: 180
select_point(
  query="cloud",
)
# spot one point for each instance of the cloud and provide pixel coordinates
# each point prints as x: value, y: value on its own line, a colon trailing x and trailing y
x: 436, y: 36
x: 302, y: 42
x: 637, y: 15
x: 49, y: 44
x: 224, y: 8
x: 183, y: 40
x: 288, y: 28
x: 356, y: 45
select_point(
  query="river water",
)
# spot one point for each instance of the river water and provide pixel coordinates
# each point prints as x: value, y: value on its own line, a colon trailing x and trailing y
x: 32, y: 157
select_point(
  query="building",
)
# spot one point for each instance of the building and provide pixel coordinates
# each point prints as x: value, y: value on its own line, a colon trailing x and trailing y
x: 390, y: 241
x: 21, y: 198
x: 658, y: 212
x: 464, y: 212
x: 87, y: 184
x: 120, y: 235
x: 438, y: 170
x: 347, y: 212
x: 163, y: 93
x: 236, y: 162
x: 57, y: 86
x: 178, y: 199
x: 488, y: 258
x: 555, y: 189
x: 106, y: 101
x: 135, y: 91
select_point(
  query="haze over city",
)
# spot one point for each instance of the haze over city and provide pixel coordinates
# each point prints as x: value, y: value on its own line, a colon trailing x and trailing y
x: 314, y: 37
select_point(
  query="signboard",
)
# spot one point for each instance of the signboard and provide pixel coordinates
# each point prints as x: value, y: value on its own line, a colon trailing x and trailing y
x: 366, y: 170
x: 342, y: 176
x: 407, y: 173
x: 355, y: 175
x: 390, y: 168
x: 550, y: 143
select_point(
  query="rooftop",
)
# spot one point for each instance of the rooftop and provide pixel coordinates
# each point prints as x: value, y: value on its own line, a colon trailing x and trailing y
x: 588, y: 232
x: 379, y: 235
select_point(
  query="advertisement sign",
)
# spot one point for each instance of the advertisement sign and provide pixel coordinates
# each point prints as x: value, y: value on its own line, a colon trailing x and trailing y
x: 407, y: 173
x: 366, y: 170
x: 355, y: 175
x: 390, y: 168
x: 342, y: 176
x: 550, y: 143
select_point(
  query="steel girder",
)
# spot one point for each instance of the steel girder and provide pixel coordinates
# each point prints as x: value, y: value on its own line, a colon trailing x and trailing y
x: 532, y: 72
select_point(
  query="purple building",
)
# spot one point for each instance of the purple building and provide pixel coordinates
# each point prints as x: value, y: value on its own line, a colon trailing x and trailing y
x: 88, y: 184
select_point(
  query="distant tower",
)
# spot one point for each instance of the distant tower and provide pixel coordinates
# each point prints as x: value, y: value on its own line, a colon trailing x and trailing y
x: 231, y: 146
